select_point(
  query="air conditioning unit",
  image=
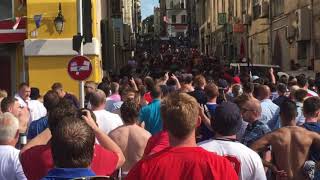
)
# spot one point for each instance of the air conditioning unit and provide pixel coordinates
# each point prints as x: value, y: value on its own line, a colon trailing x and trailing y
x: 246, y: 19
x: 303, y: 24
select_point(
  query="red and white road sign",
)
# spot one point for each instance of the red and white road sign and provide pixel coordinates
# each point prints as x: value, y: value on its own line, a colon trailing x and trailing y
x: 80, y: 68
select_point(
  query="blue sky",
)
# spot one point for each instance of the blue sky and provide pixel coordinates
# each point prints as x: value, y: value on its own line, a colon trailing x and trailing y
x: 147, y: 7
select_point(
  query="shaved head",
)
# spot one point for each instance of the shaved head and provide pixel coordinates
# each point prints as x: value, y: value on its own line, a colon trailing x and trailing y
x: 251, y: 110
x: 253, y: 104
x: 263, y: 92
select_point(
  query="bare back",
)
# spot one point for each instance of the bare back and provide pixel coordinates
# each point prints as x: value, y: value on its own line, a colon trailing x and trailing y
x: 290, y: 149
x: 132, y: 140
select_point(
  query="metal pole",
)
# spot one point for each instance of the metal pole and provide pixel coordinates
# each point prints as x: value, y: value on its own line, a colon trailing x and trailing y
x: 80, y: 31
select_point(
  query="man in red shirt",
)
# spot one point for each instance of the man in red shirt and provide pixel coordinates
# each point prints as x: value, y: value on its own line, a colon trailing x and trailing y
x: 36, y: 158
x: 183, y: 160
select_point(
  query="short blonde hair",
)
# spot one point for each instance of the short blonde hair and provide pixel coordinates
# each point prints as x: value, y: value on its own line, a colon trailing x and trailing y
x: 180, y: 112
x: 9, y: 125
x: 3, y: 93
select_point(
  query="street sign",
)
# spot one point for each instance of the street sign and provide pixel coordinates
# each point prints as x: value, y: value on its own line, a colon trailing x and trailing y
x: 79, y: 68
x: 222, y: 18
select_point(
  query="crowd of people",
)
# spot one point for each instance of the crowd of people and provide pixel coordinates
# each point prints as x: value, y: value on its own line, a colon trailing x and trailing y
x: 165, y: 119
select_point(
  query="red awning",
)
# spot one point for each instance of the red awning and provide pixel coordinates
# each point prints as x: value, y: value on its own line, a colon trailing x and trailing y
x: 10, y: 35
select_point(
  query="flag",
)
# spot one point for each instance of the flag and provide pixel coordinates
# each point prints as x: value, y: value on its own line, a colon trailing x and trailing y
x: 37, y: 20
x: 17, y: 22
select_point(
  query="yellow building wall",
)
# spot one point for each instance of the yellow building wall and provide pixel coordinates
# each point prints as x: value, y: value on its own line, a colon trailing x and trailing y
x: 44, y: 71
x: 49, y: 10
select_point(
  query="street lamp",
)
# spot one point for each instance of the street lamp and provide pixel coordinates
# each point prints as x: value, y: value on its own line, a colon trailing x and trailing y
x: 59, y: 21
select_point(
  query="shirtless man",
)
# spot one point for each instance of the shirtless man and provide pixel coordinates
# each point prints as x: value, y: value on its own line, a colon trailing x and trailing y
x: 290, y: 145
x: 131, y: 138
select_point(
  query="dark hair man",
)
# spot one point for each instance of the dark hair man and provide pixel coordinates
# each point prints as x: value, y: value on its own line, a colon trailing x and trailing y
x: 36, y: 158
x: 288, y: 161
x: 50, y: 101
x: 150, y: 114
x: 282, y: 90
x: 89, y: 87
x: 23, y: 95
x: 11, y: 105
x: 130, y: 137
x: 57, y: 87
x: 227, y: 123
x: 212, y: 92
x: 311, y: 111
x: 183, y: 160
x: 299, y: 96
x: 302, y: 82
x: 199, y: 83
x: 76, y: 138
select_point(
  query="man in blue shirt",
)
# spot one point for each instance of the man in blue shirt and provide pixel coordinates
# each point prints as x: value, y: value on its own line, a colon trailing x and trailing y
x: 150, y: 115
x: 251, y: 112
x: 50, y: 101
x: 72, y: 146
x: 270, y: 111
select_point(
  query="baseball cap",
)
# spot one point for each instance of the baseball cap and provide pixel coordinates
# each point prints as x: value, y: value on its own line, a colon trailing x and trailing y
x: 227, y: 119
x: 236, y: 80
x: 222, y: 83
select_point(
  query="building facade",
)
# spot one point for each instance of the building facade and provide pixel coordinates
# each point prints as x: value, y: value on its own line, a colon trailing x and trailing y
x: 221, y: 31
x: 157, y: 21
x: 261, y: 31
x: 176, y: 18
x: 48, y: 52
x: 295, y: 33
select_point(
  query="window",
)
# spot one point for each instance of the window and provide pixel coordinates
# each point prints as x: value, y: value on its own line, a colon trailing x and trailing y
x: 277, y: 7
x: 173, y: 18
x: 256, y: 9
x: 6, y: 9
x: 182, y: 5
x: 183, y: 19
x: 171, y: 4
x: 302, y: 50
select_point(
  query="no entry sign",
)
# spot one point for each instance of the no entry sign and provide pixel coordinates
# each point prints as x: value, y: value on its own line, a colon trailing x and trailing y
x: 79, y: 68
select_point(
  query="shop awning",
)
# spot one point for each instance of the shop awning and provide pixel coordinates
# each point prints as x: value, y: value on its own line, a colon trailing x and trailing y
x: 13, y: 32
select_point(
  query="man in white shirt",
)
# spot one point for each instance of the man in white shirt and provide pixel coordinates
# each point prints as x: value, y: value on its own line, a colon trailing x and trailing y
x: 11, y: 105
x: 37, y: 109
x: 23, y: 96
x: 107, y: 121
x: 246, y: 162
x: 10, y: 167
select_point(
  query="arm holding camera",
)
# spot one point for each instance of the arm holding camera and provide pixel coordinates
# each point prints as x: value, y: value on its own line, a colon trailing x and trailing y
x: 104, y: 140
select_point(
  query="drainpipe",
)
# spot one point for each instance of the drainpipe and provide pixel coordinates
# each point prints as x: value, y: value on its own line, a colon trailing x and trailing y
x: 270, y: 32
x: 312, y: 53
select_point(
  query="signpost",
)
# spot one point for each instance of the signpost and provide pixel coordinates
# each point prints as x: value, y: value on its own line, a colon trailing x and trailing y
x: 222, y: 18
x: 79, y: 68
x: 80, y: 53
